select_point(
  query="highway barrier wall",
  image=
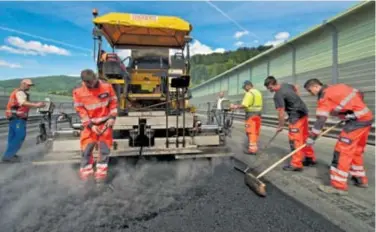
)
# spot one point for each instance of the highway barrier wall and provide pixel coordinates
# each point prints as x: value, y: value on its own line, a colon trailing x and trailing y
x: 340, y: 50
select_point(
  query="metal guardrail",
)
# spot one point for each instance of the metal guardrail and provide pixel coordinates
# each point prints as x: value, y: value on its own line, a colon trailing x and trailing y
x: 272, y: 121
x: 33, y: 118
x: 66, y: 107
x: 59, y: 106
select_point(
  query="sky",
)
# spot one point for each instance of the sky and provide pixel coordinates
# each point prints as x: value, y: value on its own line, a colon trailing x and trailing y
x: 55, y: 38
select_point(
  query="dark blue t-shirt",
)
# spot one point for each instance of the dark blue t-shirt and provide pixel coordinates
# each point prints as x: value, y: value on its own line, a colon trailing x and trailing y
x: 294, y: 106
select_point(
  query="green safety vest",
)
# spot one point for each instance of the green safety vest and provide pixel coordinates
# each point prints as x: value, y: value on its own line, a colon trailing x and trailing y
x: 252, y: 101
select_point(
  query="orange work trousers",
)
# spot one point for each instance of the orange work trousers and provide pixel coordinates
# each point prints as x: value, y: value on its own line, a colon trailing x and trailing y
x: 252, y: 129
x: 348, y: 158
x: 88, y: 141
x: 298, y: 134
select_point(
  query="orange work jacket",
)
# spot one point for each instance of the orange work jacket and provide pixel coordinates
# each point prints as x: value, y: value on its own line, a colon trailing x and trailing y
x: 341, y: 99
x: 95, y: 106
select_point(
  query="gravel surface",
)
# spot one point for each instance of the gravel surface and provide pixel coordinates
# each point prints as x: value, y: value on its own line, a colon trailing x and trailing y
x: 150, y: 196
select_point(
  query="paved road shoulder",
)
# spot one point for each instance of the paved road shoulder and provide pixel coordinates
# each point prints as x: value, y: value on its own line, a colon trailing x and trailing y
x: 355, y: 212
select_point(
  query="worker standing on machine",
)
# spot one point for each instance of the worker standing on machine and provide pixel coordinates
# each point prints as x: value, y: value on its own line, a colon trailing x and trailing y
x: 96, y: 103
x: 252, y: 105
x: 346, y: 103
x: 286, y: 98
x: 17, y: 112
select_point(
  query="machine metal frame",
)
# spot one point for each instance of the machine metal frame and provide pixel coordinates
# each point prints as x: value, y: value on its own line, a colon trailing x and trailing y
x: 172, y: 130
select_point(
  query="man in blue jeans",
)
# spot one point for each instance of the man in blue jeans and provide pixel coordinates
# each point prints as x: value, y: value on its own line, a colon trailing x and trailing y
x: 17, y: 112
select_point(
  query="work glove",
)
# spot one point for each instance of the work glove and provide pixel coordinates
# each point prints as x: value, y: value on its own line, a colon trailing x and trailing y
x: 96, y: 129
x: 110, y: 122
x: 350, y: 117
x: 310, y: 141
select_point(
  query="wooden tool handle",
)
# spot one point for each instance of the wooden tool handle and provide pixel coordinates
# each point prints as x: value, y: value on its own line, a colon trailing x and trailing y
x: 293, y: 152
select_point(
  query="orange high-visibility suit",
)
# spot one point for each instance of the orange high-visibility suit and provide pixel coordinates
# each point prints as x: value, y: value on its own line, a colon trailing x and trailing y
x: 95, y: 106
x: 342, y: 100
x: 298, y: 134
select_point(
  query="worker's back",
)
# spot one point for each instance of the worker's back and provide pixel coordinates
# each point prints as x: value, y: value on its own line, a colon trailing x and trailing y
x: 294, y: 105
x: 345, y: 98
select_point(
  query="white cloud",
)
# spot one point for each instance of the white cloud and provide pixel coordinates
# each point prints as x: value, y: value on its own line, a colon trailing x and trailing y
x: 17, y: 51
x: 244, y: 32
x: 44, y: 38
x: 282, y: 35
x: 198, y: 48
x: 255, y: 41
x: 278, y: 39
x: 239, y: 44
x: 3, y: 63
x: 33, y: 47
x: 240, y: 34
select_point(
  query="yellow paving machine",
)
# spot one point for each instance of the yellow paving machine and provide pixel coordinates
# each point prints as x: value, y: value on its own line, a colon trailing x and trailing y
x: 155, y: 116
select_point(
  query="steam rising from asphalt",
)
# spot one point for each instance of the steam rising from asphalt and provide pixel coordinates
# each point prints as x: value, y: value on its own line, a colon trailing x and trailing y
x: 35, y: 198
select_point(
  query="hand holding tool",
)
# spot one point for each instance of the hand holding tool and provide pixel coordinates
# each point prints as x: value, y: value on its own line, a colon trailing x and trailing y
x: 258, y: 186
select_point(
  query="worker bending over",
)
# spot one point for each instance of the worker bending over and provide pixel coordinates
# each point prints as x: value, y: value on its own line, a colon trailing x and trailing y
x: 346, y: 103
x: 96, y: 104
x: 286, y: 99
x: 252, y: 105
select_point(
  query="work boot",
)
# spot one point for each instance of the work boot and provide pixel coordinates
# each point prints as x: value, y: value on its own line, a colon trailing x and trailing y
x: 86, y: 172
x: 331, y: 190
x: 308, y: 162
x: 13, y: 159
x: 248, y: 152
x: 101, y: 173
x: 358, y: 182
x: 289, y: 167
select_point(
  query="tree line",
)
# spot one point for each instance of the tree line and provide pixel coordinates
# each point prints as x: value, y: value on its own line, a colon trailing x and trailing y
x: 204, y: 67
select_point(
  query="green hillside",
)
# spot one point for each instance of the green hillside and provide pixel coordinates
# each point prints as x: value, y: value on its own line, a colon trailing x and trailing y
x: 60, y: 85
x: 203, y: 67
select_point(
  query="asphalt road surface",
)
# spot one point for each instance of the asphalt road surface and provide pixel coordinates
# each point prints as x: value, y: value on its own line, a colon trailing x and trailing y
x: 190, y: 195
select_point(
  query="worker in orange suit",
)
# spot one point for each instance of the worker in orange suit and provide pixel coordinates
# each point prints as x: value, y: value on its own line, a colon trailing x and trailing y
x: 346, y: 103
x: 96, y: 104
x: 286, y: 99
x: 252, y: 105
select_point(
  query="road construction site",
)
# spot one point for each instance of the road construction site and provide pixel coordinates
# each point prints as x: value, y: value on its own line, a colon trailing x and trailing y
x: 187, y: 195
x: 149, y: 194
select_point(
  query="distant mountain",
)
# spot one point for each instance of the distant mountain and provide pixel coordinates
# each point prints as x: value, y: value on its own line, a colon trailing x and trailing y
x: 60, y: 85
